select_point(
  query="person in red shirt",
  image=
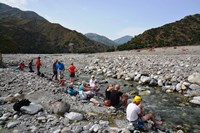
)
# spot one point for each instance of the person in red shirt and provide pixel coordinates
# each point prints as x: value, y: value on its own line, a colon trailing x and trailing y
x: 72, y: 70
x: 21, y: 66
x: 38, y: 64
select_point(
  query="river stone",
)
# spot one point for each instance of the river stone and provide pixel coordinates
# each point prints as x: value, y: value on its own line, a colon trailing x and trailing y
x: 145, y: 92
x: 187, y: 84
x: 153, y: 82
x: 33, y: 129
x: 137, y: 77
x: 194, y: 78
x: 78, y: 129
x: 74, y: 116
x: 180, y: 131
x: 193, y: 93
x: 130, y: 127
x: 183, y: 87
x: 127, y: 78
x: 104, y: 123
x: 145, y: 79
x: 194, y: 87
x: 33, y: 108
x: 196, y: 100
x: 95, y: 128
x: 12, y: 124
x: 5, y: 116
x: 124, y: 130
x: 66, y: 130
x: 60, y: 107
x: 131, y: 75
x: 178, y: 87
x: 160, y: 82
x: 93, y: 100
x: 86, y: 131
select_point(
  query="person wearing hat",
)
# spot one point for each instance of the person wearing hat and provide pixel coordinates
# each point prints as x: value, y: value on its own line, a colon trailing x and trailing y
x: 134, y: 112
x: 93, y: 84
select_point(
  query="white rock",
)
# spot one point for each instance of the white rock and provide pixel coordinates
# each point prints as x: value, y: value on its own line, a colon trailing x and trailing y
x: 145, y: 79
x: 186, y: 84
x: 33, y: 129
x: 57, y: 131
x: 194, y: 87
x: 131, y: 75
x: 180, y: 131
x: 137, y: 77
x: 33, y: 108
x: 160, y: 82
x: 194, y: 78
x: 12, y: 124
x: 178, y: 87
x: 196, y: 100
x: 5, y: 116
x: 169, y: 91
x: 74, y: 116
x: 15, y: 117
x: 127, y: 78
x: 95, y: 127
x: 104, y: 123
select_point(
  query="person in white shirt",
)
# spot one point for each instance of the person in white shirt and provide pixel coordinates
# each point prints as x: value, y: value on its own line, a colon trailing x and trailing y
x: 134, y: 112
x: 93, y: 82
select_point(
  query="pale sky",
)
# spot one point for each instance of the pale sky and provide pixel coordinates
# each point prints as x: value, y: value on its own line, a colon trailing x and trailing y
x: 110, y: 18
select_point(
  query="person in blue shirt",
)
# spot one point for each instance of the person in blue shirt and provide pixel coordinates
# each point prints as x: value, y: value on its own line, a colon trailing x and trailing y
x: 61, y: 68
x: 55, y: 70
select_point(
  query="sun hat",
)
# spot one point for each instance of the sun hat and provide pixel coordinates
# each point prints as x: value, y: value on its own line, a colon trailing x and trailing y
x: 92, y: 76
x: 137, y: 99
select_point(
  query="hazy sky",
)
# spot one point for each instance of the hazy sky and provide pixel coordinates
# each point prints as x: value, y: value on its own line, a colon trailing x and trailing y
x: 111, y: 18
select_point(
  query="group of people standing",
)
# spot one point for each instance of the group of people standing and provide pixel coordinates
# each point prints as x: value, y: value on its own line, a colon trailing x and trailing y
x: 59, y: 69
x: 38, y: 64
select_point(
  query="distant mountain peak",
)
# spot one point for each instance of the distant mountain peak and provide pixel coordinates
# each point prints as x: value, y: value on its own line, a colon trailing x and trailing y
x: 100, y: 38
x: 123, y: 39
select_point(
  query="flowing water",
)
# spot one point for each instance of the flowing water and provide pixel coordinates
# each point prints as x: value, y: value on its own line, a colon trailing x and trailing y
x: 173, y: 108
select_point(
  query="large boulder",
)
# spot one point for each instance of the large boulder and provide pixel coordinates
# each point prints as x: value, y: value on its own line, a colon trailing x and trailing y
x: 33, y: 108
x: 194, y: 78
x: 60, y: 107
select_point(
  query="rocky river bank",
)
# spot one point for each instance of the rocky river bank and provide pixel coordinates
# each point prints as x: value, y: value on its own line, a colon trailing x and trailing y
x: 153, y: 74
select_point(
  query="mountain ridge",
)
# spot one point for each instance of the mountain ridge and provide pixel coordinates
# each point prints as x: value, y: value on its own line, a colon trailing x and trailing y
x: 100, y: 38
x: 123, y: 39
x: 27, y: 32
x: 105, y: 40
x: 183, y: 32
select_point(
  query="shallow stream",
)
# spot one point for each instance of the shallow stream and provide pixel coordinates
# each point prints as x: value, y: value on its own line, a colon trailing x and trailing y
x: 174, y: 108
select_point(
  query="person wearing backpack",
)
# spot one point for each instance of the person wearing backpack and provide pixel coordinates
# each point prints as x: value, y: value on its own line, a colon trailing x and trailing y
x: 135, y: 114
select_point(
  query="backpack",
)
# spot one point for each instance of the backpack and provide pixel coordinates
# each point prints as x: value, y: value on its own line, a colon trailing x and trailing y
x: 19, y: 104
x: 71, y: 92
x: 139, y: 125
x: 107, y: 103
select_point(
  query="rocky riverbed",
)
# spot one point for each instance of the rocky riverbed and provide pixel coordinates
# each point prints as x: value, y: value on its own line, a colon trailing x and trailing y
x: 154, y: 74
